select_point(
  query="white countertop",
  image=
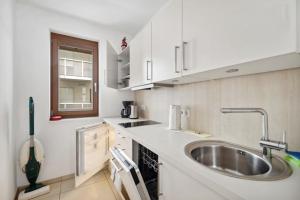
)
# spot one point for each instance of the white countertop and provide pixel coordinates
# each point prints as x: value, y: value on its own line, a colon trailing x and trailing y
x: 169, y: 145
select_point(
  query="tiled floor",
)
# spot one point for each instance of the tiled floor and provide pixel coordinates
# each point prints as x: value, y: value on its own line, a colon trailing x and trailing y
x: 96, y: 188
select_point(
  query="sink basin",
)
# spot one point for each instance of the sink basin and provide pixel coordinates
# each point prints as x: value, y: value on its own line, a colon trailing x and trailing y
x: 237, y: 161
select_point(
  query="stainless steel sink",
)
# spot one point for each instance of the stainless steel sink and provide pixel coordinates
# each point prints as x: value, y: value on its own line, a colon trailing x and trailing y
x: 237, y: 161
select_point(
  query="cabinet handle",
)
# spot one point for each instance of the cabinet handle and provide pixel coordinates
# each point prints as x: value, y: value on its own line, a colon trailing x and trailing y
x: 115, y: 165
x: 147, y: 64
x: 176, y: 64
x: 107, y: 144
x: 160, y: 193
x: 184, y: 56
x: 104, y: 78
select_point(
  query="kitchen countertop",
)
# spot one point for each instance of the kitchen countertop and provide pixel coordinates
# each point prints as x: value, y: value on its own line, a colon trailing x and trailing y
x: 169, y: 145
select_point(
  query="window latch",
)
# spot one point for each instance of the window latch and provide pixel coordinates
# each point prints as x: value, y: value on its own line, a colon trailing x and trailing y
x: 95, y: 87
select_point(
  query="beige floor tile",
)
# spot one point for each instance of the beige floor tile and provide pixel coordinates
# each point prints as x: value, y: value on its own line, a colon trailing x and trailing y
x: 54, y: 191
x: 69, y: 184
x: 111, y: 184
x: 100, y: 176
x: 54, y: 197
x: 107, y: 173
x: 97, y: 191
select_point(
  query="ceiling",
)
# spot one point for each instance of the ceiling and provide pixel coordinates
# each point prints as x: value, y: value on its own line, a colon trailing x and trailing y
x: 123, y: 15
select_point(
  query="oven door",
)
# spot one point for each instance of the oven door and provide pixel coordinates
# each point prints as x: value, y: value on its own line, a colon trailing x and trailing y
x: 130, y: 175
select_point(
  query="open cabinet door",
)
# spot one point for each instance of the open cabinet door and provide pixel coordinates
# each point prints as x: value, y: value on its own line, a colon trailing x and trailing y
x: 111, y: 72
x: 92, y: 151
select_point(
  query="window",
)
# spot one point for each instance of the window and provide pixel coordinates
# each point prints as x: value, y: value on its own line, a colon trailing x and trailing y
x: 74, y: 77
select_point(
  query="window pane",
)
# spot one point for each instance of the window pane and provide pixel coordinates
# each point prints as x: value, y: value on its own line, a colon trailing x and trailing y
x: 75, y: 80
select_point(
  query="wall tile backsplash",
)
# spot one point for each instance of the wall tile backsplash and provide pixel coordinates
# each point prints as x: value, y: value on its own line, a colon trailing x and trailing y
x: 277, y: 92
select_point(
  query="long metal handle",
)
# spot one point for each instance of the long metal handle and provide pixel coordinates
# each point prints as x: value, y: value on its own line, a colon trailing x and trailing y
x: 184, y: 56
x: 147, y: 63
x: 160, y: 193
x: 105, y: 80
x: 147, y: 70
x: 117, y: 158
x: 176, y: 63
x: 107, y: 144
x: 115, y: 165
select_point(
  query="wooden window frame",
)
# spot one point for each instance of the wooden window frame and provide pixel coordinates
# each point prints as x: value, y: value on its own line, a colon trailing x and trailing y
x: 80, y: 45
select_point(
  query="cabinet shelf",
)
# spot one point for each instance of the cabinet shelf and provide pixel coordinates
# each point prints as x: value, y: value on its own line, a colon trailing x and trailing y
x: 125, y: 88
x: 125, y: 66
x: 126, y: 77
x: 118, y: 68
x: 125, y: 52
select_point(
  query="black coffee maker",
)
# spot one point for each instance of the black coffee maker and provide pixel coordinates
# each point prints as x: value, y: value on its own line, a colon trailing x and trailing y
x: 125, y: 112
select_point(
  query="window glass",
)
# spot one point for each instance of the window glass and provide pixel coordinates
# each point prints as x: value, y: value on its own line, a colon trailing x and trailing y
x: 75, y: 80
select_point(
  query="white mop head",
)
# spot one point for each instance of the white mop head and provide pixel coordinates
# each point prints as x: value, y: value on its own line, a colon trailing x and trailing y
x: 35, y: 193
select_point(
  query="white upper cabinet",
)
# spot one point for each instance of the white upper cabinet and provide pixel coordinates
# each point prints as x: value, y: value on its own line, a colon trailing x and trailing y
x: 221, y: 33
x: 196, y: 40
x: 166, y: 41
x: 141, y: 58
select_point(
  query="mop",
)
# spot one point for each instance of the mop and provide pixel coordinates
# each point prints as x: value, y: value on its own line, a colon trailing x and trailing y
x: 31, y: 157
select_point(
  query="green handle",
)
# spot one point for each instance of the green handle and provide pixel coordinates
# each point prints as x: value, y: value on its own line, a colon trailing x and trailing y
x: 31, y: 116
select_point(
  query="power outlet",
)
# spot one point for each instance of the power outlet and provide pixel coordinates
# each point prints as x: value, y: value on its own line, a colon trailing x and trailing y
x: 143, y: 108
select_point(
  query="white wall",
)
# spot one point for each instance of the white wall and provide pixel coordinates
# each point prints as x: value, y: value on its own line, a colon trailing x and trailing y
x: 298, y: 24
x: 7, y: 139
x: 32, y: 78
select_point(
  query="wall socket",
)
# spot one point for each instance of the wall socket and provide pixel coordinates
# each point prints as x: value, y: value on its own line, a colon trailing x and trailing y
x: 143, y: 108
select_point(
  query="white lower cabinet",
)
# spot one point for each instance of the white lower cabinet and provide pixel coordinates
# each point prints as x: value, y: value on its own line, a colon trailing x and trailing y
x: 175, y: 185
x: 123, y: 142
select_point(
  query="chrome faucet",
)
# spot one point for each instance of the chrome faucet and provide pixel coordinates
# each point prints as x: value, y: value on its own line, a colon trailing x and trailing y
x: 264, y: 142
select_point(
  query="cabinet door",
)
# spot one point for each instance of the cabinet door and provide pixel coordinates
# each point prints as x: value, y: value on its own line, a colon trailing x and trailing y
x: 111, y: 71
x: 140, y: 57
x: 166, y: 41
x: 92, y: 151
x: 175, y: 185
x: 223, y: 33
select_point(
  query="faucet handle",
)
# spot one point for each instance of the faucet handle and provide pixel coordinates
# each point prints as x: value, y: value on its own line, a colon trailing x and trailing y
x: 284, y: 137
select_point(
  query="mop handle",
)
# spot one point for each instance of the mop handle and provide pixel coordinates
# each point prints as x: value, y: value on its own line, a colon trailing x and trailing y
x: 31, y: 116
